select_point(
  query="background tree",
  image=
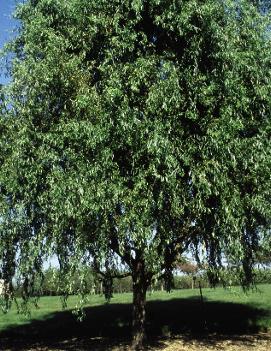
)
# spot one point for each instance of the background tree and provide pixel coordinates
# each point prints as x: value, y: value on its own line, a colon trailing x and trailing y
x: 189, y: 268
x: 136, y: 130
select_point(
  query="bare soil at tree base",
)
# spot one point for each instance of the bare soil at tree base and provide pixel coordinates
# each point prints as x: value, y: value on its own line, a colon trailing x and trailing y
x: 256, y: 342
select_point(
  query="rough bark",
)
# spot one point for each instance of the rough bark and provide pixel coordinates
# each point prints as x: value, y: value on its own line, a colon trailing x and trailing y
x: 140, y: 285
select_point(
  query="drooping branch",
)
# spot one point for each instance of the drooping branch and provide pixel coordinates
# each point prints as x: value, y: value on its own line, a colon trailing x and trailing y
x: 125, y: 253
x: 108, y: 271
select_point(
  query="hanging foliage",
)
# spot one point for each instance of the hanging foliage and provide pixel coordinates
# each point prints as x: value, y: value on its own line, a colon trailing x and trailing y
x: 135, y: 131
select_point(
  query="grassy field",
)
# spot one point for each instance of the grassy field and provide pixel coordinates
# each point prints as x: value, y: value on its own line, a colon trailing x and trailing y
x: 224, y: 317
x: 253, y: 308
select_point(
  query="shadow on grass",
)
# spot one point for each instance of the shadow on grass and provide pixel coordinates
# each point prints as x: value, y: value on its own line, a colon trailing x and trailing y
x: 109, y: 325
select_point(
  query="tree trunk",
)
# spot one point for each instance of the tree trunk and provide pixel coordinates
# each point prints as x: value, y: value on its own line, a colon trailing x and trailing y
x: 140, y: 286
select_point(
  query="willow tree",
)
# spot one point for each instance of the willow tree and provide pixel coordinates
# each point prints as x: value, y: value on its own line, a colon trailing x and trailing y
x: 133, y: 131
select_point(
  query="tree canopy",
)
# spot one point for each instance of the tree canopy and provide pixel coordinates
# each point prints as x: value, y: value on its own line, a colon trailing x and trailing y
x: 133, y: 131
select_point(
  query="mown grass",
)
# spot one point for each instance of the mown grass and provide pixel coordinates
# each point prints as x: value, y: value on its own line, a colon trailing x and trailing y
x: 257, y: 300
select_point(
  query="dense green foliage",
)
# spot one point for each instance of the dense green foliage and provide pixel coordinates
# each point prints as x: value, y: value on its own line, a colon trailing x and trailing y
x: 133, y: 131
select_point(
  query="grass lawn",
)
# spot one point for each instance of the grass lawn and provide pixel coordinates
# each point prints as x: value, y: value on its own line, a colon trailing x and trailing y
x: 185, y: 301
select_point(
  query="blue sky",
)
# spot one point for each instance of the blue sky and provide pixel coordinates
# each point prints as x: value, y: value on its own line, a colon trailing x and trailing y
x: 7, y: 24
